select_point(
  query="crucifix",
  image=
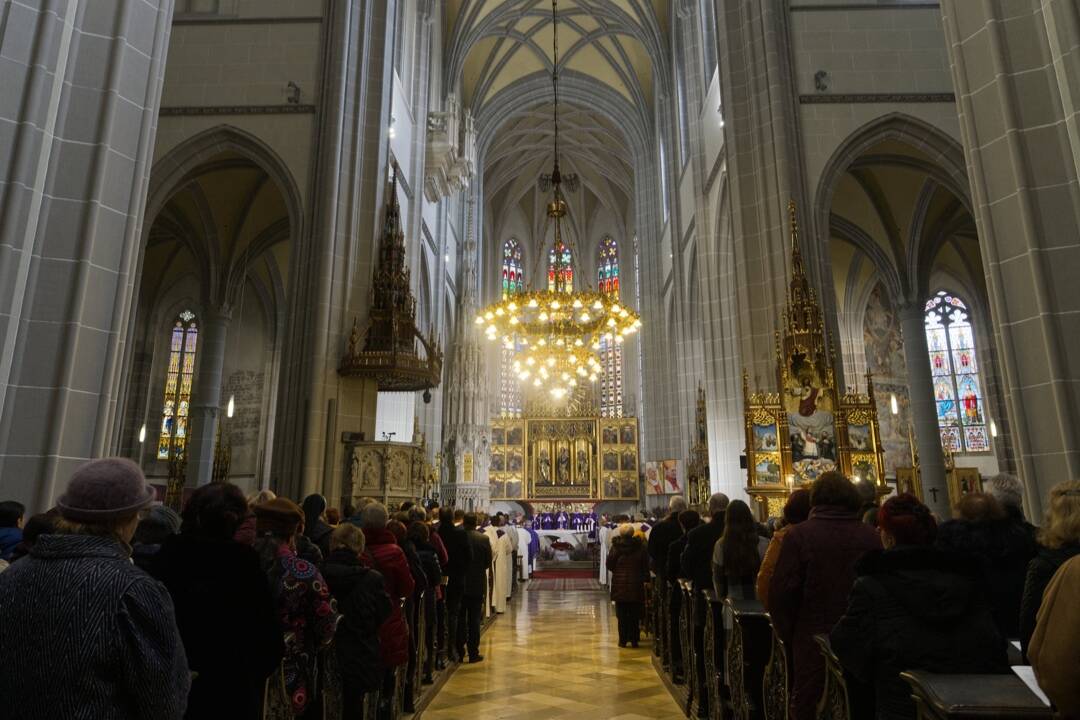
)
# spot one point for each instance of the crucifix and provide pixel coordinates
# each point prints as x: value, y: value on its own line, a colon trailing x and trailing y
x: 934, y: 492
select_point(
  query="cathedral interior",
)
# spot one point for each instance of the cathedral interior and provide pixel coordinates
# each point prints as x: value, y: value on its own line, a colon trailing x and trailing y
x: 534, y: 257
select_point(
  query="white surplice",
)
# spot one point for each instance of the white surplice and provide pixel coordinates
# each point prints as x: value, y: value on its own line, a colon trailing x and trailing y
x: 523, y: 552
x: 604, y: 538
x: 502, y: 553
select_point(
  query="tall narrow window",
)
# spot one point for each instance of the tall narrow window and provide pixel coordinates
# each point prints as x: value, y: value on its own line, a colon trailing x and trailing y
x: 611, y: 377
x: 174, y: 412
x: 957, y: 385
x: 512, y: 283
x: 566, y: 268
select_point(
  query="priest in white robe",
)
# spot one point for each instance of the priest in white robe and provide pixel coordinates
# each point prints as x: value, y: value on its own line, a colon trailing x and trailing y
x: 523, y: 538
x: 604, y: 538
x: 502, y: 552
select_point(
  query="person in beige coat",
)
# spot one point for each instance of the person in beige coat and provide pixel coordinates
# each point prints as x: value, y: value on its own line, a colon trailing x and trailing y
x: 1055, y: 647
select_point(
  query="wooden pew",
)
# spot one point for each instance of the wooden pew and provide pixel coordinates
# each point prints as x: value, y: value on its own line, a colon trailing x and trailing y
x: 747, y: 655
x: 714, y: 652
x: 971, y: 697
x: 842, y: 697
x: 775, y: 685
x: 686, y: 640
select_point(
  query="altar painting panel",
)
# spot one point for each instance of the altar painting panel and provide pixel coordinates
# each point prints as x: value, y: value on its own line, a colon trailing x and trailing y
x: 506, y: 473
x: 619, y: 459
x: 562, y: 458
x: 810, y: 409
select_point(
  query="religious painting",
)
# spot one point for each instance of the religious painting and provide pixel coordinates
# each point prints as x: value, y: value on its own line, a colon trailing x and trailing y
x: 672, y: 482
x: 859, y: 437
x: 767, y: 469
x: 498, y: 436
x: 512, y: 490
x: 629, y: 437
x: 543, y: 471
x: 515, y: 436
x: 864, y: 469
x: 654, y: 479
x: 611, y: 435
x: 809, y: 407
x: 908, y: 481
x: 629, y: 460
x: 498, y: 462
x: 514, y: 462
x: 629, y: 488
x: 962, y: 481
x: 611, y: 486
x: 611, y: 460
x: 766, y: 438
x: 562, y: 464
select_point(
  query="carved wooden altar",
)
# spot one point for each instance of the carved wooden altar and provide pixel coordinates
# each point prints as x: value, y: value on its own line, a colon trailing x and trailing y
x: 564, y: 458
x: 805, y: 427
x: 391, y: 472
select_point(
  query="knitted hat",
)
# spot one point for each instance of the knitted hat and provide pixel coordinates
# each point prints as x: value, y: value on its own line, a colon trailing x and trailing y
x: 105, y: 489
x: 280, y: 516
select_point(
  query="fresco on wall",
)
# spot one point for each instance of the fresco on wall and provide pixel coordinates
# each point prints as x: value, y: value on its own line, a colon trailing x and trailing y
x: 885, y: 359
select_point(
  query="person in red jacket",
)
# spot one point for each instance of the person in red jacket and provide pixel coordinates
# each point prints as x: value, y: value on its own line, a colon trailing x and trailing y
x: 389, y: 559
x: 809, y: 589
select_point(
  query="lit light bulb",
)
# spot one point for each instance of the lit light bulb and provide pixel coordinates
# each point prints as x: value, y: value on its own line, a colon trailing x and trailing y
x: 894, y: 406
x: 993, y: 429
x: 142, y: 433
x: 230, y: 409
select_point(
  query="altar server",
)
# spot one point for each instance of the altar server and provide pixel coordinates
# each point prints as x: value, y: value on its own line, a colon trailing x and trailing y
x: 523, y: 538
x: 604, y: 538
x: 502, y: 563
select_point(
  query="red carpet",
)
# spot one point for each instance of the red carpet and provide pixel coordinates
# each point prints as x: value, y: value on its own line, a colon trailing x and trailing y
x: 564, y: 574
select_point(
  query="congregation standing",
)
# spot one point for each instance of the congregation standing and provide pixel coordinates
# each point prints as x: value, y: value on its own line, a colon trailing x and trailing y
x: 239, y: 607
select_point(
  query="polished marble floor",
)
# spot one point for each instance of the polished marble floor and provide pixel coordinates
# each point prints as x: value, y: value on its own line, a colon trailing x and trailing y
x: 554, y: 655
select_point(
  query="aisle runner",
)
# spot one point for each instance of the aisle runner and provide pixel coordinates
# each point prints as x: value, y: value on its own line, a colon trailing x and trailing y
x: 564, y: 584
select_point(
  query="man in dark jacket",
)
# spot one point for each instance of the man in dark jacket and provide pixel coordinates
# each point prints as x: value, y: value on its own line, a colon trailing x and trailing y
x: 914, y: 607
x: 696, y: 565
x: 365, y: 606
x: 809, y: 589
x: 1001, y: 547
x: 473, y: 591
x: 458, y: 560
x: 664, y: 533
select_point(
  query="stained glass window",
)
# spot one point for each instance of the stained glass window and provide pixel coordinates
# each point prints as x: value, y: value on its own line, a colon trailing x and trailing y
x: 183, y: 342
x: 513, y: 282
x: 611, y: 375
x: 953, y: 365
x: 566, y: 268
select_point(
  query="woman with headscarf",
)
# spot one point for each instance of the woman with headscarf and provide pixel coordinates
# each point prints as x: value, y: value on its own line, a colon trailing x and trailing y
x: 315, y: 528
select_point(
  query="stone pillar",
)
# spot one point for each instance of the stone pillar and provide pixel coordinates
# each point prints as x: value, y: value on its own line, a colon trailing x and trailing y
x: 82, y: 87
x: 1016, y: 68
x: 206, y: 398
x: 923, y: 410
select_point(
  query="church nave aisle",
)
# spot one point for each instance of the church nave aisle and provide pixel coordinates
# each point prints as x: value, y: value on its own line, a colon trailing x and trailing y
x: 554, y: 655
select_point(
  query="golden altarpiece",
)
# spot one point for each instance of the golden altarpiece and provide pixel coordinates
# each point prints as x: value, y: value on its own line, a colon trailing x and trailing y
x: 805, y: 427
x: 564, y: 451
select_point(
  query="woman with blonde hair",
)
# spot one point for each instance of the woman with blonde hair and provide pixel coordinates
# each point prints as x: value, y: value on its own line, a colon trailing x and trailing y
x: 245, y: 534
x: 1060, y: 540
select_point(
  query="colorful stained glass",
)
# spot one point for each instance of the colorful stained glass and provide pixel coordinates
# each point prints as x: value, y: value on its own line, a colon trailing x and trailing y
x: 512, y: 276
x: 565, y: 269
x: 957, y: 387
x: 611, y: 386
x: 179, y: 373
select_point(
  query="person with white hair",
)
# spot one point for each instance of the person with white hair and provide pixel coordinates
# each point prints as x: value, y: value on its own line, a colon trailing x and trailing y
x: 1009, y: 491
x: 664, y: 533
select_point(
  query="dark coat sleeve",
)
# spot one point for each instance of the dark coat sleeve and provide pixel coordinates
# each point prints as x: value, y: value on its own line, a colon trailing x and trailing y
x: 268, y: 641
x: 1038, y: 577
x: 486, y: 553
x: 853, y: 636
x: 686, y: 561
x: 785, y: 588
x: 151, y: 664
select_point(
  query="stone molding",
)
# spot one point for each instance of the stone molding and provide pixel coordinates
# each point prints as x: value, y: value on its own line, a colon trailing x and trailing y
x: 884, y: 98
x: 191, y: 110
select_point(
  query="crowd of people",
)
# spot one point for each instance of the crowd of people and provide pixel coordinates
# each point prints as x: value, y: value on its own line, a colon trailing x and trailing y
x: 114, y: 606
x: 891, y: 586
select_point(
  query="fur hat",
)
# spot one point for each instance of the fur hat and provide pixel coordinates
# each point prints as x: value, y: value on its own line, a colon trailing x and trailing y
x: 105, y: 489
x: 279, y: 516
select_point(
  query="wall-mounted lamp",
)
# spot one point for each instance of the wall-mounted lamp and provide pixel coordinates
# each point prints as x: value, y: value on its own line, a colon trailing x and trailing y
x: 142, y: 434
x: 894, y: 406
x: 993, y: 429
x: 230, y: 409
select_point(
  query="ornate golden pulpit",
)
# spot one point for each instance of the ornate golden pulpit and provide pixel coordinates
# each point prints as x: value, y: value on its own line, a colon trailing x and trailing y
x: 804, y: 427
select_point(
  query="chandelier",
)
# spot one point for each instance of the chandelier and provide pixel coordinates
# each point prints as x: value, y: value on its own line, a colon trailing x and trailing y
x: 556, y: 333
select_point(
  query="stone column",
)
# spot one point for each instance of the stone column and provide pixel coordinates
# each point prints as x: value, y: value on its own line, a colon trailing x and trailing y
x: 1016, y: 68
x: 82, y: 87
x: 923, y: 410
x: 206, y: 398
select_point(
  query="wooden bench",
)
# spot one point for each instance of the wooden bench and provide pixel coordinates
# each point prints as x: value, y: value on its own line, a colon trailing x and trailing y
x: 775, y: 684
x: 714, y: 651
x: 842, y: 698
x: 972, y: 697
x: 686, y: 641
x: 747, y: 655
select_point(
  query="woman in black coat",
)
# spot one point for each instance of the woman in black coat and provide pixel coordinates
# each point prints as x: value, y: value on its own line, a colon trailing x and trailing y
x: 224, y: 607
x: 420, y: 535
x: 914, y: 607
x: 364, y: 604
x: 315, y: 528
x: 628, y: 563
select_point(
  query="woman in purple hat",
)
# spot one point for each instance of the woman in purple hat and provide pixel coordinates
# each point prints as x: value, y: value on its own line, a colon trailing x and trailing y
x: 83, y: 632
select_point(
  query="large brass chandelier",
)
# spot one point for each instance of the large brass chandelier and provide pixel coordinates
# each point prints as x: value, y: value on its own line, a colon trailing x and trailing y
x: 556, y: 332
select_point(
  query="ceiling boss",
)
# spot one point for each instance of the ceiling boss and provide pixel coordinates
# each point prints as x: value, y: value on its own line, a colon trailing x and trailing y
x: 556, y: 332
